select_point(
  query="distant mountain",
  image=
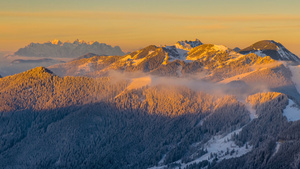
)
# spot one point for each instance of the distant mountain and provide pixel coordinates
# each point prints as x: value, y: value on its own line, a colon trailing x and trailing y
x: 145, y: 60
x: 271, y: 48
x: 57, y: 48
x: 166, y: 60
x: 215, y: 63
x: 236, y: 49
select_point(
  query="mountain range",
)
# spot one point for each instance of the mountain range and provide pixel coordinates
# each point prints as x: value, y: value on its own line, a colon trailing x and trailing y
x: 189, y: 105
x: 59, y: 49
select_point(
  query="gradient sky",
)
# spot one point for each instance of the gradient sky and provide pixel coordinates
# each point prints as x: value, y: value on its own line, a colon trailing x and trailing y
x: 132, y: 24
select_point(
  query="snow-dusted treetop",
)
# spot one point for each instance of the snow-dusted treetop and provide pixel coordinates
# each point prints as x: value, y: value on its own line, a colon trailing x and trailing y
x: 56, y: 48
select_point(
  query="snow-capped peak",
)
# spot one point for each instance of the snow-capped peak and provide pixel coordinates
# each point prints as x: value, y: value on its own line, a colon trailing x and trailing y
x: 56, y: 48
x: 188, y: 44
x: 78, y: 41
x: 271, y: 48
x: 56, y: 42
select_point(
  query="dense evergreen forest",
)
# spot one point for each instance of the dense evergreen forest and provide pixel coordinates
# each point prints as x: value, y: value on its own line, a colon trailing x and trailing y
x: 48, y: 121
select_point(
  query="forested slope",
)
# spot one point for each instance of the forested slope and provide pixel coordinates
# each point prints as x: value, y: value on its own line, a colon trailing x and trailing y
x: 49, y: 121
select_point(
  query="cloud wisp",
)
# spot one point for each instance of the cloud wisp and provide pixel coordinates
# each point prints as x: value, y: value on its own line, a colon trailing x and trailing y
x: 237, y: 88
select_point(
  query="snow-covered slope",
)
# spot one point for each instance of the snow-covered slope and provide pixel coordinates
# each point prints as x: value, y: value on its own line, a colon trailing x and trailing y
x: 214, y: 63
x: 175, y: 61
x: 208, y: 52
x: 57, y: 48
x: 271, y: 48
x: 219, y: 147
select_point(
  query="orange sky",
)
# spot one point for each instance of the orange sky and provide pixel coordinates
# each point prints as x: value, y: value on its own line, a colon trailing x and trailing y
x: 134, y: 25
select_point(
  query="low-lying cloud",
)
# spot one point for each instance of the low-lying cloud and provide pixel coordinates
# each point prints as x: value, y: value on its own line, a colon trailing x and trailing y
x: 238, y: 88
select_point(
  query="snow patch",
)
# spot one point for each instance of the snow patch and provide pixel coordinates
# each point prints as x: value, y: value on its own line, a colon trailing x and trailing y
x: 187, y: 45
x: 181, y: 54
x: 126, y: 58
x: 252, y: 111
x: 291, y: 112
x: 211, y: 51
x: 150, y: 52
x: 284, y: 53
x: 162, y: 160
x: 278, y: 144
x: 260, y: 53
x: 56, y: 42
x: 220, y: 48
x: 219, y: 146
x: 137, y: 61
x: 234, y: 56
x: 166, y: 60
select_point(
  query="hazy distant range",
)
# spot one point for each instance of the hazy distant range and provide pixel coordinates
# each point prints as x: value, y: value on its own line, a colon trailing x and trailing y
x: 50, y: 53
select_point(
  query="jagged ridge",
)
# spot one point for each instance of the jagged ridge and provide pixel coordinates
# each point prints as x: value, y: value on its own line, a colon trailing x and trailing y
x: 57, y: 48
